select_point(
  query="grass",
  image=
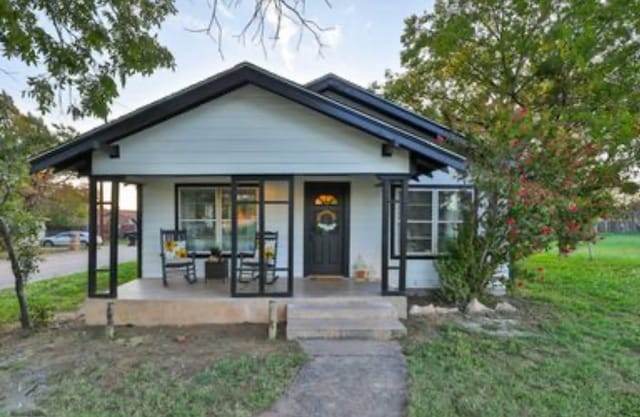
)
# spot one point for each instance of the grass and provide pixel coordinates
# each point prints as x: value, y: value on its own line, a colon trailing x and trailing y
x: 64, y: 293
x: 238, y: 386
x: 582, y: 357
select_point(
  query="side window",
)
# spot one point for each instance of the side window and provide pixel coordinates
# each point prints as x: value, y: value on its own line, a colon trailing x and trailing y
x: 432, y: 218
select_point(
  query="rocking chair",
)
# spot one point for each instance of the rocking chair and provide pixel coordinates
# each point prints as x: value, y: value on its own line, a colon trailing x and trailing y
x: 249, y: 269
x: 173, y: 244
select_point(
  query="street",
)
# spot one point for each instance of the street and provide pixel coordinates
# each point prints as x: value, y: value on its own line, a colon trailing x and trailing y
x: 64, y: 263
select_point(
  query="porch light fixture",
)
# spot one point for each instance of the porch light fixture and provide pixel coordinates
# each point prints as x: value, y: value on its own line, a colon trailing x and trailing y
x: 387, y: 150
x: 114, y: 151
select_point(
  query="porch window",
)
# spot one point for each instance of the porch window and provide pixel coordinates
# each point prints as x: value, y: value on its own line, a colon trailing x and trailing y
x: 205, y: 213
x: 432, y: 216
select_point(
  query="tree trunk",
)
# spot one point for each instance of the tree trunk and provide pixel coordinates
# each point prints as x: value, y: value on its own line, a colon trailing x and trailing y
x: 25, y: 320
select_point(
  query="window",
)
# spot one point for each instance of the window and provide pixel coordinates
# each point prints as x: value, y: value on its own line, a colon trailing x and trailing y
x: 205, y: 213
x: 325, y: 200
x: 432, y: 216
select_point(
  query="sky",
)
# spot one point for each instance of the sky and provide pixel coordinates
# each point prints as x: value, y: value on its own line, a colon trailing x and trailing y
x: 363, y: 41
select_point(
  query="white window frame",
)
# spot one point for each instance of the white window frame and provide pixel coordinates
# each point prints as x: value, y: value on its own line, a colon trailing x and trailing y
x: 435, y: 219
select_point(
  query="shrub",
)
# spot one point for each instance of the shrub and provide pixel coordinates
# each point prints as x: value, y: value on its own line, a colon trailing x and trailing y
x: 41, y: 310
x: 468, y: 265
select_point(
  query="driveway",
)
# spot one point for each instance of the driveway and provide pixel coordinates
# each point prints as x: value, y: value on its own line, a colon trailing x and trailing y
x: 64, y: 263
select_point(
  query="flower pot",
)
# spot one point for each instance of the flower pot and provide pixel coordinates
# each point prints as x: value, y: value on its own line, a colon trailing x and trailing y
x: 361, y: 274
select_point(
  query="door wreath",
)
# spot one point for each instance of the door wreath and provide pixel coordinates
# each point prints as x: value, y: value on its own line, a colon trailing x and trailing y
x: 326, y: 220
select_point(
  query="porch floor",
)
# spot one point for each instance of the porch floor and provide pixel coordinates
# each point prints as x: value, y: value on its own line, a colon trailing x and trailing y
x: 178, y: 288
x: 146, y: 302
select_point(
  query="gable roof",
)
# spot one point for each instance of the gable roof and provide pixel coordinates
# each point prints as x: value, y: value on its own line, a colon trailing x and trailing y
x: 70, y: 153
x: 345, y: 88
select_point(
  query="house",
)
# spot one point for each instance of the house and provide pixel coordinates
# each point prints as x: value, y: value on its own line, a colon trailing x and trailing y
x: 351, y: 182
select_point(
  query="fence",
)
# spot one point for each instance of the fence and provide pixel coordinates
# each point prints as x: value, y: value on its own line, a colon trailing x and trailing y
x: 626, y: 223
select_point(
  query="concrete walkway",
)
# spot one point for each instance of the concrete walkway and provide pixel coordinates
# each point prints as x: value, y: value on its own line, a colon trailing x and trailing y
x: 347, y: 378
x: 64, y: 263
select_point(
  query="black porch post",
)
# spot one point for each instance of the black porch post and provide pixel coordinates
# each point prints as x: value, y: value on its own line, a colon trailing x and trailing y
x: 113, y: 241
x: 92, y: 247
x: 234, y: 235
x: 384, y: 269
x: 139, y: 228
x: 290, y: 253
x: 261, y: 219
x: 402, y: 267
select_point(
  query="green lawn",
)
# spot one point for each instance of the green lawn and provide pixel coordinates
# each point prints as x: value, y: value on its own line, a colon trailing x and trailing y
x: 581, y: 358
x: 64, y: 293
x: 238, y: 386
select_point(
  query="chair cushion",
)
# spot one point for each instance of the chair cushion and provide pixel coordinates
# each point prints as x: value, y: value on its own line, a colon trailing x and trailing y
x: 175, y: 250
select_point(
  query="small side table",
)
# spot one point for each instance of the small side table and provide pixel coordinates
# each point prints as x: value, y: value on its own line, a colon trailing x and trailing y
x: 216, y: 270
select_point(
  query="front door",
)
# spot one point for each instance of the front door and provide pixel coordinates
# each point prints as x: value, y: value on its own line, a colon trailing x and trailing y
x: 326, y: 243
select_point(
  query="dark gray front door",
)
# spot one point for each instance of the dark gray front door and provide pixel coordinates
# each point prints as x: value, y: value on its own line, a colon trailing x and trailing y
x: 326, y: 243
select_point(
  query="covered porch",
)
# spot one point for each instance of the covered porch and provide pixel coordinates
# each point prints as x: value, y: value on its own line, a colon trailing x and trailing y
x: 324, y: 226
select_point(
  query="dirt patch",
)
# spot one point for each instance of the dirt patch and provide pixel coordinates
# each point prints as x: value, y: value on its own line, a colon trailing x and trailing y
x: 526, y: 321
x: 30, y: 360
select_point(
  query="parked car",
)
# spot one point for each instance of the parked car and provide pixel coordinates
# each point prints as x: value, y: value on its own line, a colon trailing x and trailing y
x: 64, y: 239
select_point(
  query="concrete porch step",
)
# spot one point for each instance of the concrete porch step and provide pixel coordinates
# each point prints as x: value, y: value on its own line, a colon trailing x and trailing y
x: 360, y: 328
x: 348, y: 309
x: 343, y: 319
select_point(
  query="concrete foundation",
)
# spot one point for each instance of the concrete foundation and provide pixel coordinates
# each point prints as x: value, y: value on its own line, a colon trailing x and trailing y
x: 146, y: 303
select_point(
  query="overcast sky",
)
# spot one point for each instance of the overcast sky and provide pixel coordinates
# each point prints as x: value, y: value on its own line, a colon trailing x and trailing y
x: 364, y: 41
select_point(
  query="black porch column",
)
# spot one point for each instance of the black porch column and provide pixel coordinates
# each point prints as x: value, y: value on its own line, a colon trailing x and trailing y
x: 402, y: 267
x: 139, y: 228
x: 390, y: 206
x: 93, y: 232
x: 234, y: 236
x: 113, y: 239
x: 386, y: 200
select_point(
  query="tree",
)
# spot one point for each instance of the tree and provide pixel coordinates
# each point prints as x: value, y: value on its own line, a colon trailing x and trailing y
x: 63, y: 204
x: 19, y: 223
x: 578, y: 60
x: 547, y: 94
x: 88, y: 50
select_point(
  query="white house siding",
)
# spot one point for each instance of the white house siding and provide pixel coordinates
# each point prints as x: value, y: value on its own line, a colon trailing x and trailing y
x: 365, y: 222
x: 249, y: 131
x: 158, y: 213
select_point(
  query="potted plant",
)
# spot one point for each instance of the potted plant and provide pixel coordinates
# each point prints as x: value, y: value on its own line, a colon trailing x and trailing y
x: 216, y: 254
x: 216, y: 267
x: 360, y: 269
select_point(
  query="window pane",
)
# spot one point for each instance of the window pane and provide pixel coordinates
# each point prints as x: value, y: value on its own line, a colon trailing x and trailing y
x: 423, y: 197
x: 197, y: 217
x: 419, y: 246
x: 422, y: 213
x: 247, y: 218
x: 197, y: 203
x: 200, y: 234
x: 419, y: 222
x: 451, y: 204
x: 244, y: 194
x: 446, y: 231
x: 325, y: 200
x: 419, y: 230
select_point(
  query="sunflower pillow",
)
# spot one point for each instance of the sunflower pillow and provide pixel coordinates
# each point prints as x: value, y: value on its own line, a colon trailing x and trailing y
x: 175, y: 249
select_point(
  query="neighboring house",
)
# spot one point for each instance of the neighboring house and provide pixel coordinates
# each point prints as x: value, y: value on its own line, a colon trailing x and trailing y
x: 349, y: 180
